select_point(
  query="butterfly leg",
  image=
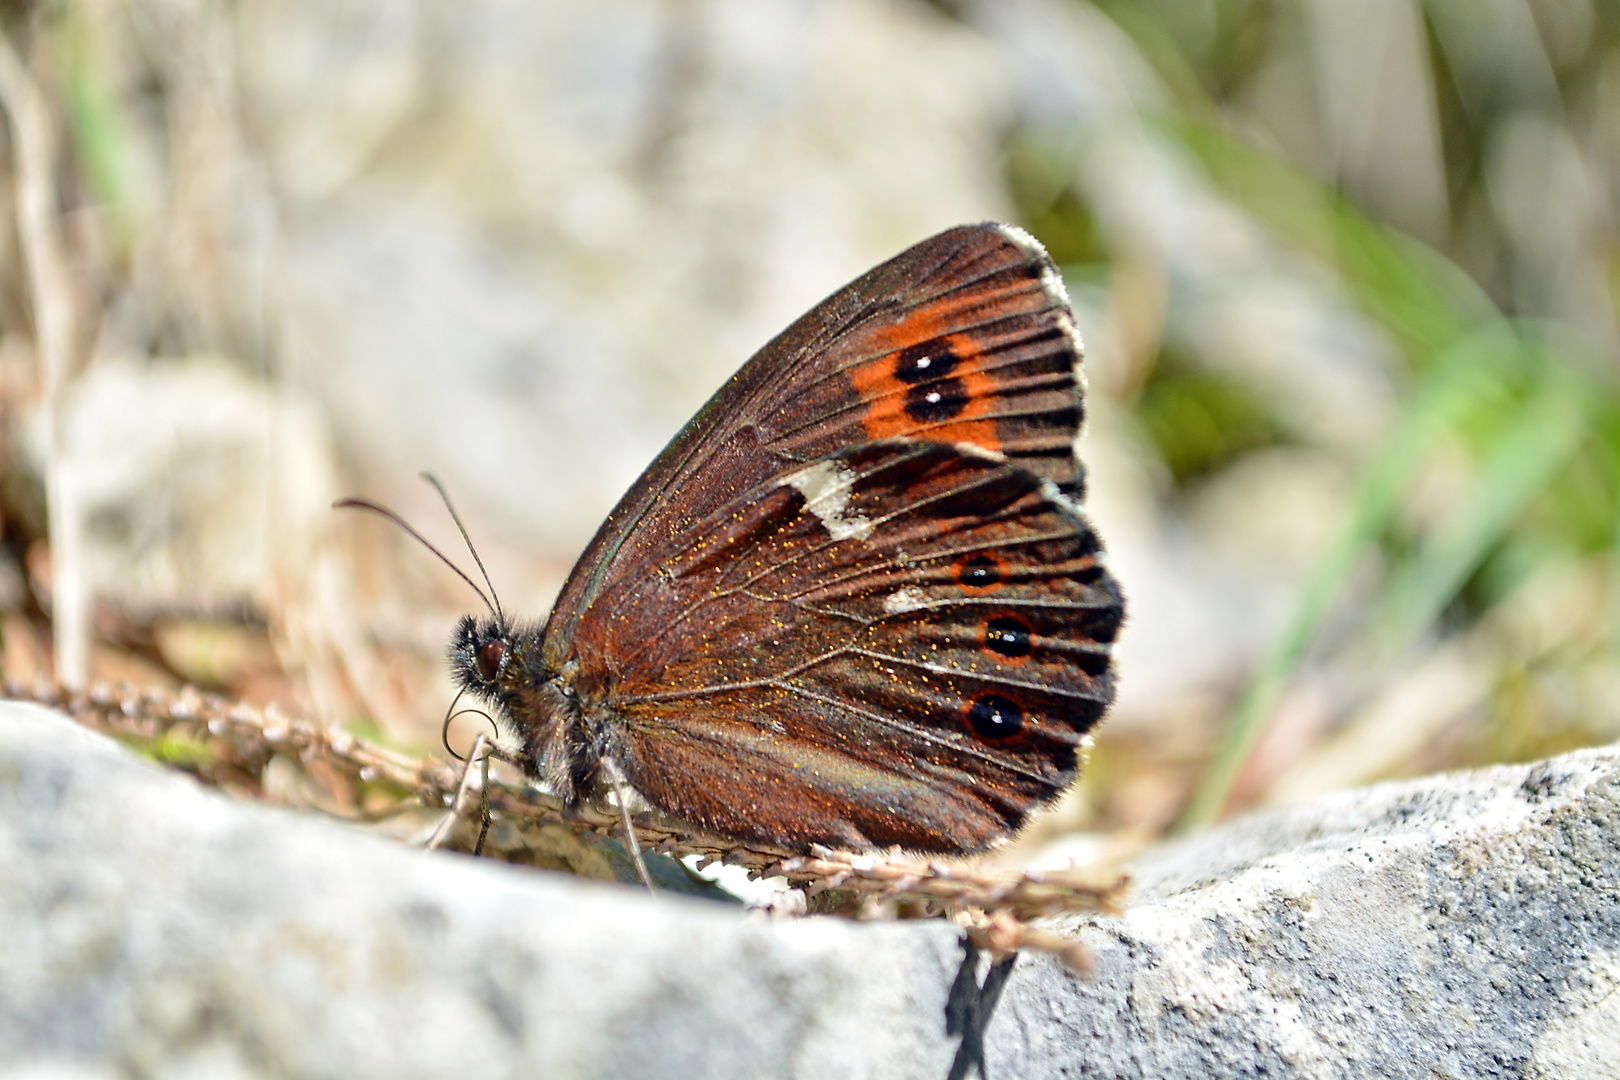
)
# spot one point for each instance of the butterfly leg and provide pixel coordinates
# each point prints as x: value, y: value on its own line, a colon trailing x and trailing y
x: 483, y: 806
x: 621, y: 795
x: 479, y: 754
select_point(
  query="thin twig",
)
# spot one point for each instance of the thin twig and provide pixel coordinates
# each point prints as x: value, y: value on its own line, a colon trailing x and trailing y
x: 33, y: 144
x: 241, y: 740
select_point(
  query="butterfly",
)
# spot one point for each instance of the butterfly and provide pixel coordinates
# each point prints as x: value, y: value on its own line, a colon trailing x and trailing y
x: 855, y: 601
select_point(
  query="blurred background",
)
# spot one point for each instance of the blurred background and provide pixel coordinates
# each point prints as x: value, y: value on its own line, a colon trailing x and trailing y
x: 1347, y: 276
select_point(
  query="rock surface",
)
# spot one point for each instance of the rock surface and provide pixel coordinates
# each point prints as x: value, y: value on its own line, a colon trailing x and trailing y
x: 1463, y: 925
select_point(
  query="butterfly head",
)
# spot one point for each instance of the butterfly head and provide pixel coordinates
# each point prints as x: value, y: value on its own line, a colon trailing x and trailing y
x: 481, y: 655
x: 534, y: 706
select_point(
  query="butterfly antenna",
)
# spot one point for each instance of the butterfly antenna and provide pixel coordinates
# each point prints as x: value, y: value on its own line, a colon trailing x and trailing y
x: 434, y: 480
x: 367, y: 504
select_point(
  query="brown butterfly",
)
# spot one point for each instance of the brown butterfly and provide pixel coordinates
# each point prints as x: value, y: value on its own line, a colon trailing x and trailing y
x: 854, y: 602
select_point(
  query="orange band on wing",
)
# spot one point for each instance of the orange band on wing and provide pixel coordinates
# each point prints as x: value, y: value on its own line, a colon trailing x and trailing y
x: 928, y: 389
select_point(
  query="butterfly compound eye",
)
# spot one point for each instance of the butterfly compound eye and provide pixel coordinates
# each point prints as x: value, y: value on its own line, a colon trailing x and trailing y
x: 490, y: 657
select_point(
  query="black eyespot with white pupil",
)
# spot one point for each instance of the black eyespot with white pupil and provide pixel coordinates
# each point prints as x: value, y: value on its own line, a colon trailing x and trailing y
x: 936, y: 402
x: 490, y: 657
x: 933, y: 396
x: 925, y: 362
x: 1008, y: 636
x: 979, y: 572
x: 995, y: 717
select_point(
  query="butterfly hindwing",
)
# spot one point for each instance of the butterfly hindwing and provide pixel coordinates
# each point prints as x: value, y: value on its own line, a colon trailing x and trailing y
x: 904, y: 642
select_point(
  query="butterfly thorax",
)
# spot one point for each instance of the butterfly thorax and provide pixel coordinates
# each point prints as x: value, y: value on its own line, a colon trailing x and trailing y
x: 533, y: 700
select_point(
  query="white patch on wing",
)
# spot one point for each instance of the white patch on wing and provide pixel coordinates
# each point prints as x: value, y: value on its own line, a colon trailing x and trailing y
x: 974, y: 450
x: 826, y: 486
x: 1067, y: 504
x: 904, y: 599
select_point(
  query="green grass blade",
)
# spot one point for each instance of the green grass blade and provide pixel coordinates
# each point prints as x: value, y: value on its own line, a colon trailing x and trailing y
x: 1471, y: 370
x: 1515, y: 469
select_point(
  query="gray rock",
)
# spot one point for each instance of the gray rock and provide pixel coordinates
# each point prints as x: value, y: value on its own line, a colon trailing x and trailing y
x: 1462, y: 925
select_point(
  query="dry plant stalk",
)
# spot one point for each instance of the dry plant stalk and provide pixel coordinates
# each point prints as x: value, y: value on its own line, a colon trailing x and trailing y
x: 34, y: 144
x: 230, y: 745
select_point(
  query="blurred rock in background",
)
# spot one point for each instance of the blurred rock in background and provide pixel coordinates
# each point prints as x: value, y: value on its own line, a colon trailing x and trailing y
x: 1347, y: 276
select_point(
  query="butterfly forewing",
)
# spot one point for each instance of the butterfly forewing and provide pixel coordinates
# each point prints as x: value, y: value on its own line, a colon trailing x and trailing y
x: 966, y: 337
x: 928, y: 618
x: 981, y: 349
